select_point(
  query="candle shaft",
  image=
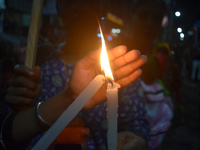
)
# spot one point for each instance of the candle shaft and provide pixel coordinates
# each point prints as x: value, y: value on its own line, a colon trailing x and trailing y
x: 112, y: 104
x: 67, y: 116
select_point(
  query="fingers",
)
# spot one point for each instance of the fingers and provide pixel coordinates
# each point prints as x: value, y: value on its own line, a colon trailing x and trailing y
x: 117, y: 52
x: 125, y: 59
x: 22, y: 70
x: 22, y: 96
x: 94, y: 56
x: 128, y: 72
x: 25, y: 77
x: 127, y: 69
x: 125, y: 65
x: 21, y: 91
x: 24, y: 87
x: 90, y: 59
x: 130, y: 78
x: 22, y: 81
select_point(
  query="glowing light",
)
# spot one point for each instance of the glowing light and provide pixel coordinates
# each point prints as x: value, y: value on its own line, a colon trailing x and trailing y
x: 118, y: 30
x: 113, y: 30
x: 99, y: 35
x: 182, y: 35
x: 109, y: 38
x: 105, y: 66
x: 179, y: 30
x: 177, y: 13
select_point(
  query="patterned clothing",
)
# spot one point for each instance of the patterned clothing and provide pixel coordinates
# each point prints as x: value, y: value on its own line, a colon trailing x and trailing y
x: 132, y: 113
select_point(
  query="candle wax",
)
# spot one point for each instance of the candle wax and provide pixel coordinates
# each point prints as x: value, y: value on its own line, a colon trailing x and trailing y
x: 112, y: 104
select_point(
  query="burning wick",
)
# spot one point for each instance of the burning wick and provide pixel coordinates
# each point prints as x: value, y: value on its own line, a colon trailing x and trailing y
x: 109, y: 81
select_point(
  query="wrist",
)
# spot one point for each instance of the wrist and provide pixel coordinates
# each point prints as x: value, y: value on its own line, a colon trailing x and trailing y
x: 39, y: 117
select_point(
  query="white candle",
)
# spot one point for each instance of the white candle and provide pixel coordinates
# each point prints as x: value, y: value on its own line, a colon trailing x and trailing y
x: 112, y: 104
x: 67, y: 116
x: 112, y: 98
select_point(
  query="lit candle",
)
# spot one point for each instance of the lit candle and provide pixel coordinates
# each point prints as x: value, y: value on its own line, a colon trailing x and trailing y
x: 112, y: 99
x: 67, y: 116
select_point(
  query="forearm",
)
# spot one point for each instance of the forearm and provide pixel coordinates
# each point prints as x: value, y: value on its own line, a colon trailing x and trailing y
x: 26, y: 124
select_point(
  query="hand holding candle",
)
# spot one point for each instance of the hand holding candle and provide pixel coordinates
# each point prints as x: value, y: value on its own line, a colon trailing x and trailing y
x: 124, y: 67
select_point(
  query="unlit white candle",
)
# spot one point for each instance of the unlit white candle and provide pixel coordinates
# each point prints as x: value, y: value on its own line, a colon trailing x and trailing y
x: 67, y: 116
x: 112, y: 104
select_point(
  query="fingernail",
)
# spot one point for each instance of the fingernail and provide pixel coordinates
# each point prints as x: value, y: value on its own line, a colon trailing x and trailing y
x: 138, y: 52
x: 144, y: 56
x: 140, y: 70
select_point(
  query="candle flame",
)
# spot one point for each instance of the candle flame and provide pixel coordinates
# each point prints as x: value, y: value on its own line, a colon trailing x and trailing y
x: 105, y: 66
